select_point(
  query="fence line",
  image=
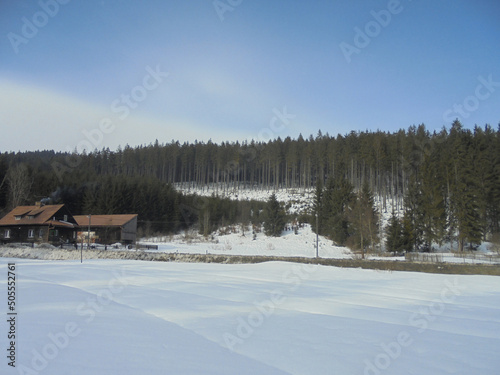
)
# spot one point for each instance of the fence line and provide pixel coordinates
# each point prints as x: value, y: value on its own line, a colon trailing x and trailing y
x: 439, y: 258
x: 424, y: 257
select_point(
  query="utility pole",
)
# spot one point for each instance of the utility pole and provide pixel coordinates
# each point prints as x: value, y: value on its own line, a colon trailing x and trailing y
x: 317, y: 235
x: 88, y: 235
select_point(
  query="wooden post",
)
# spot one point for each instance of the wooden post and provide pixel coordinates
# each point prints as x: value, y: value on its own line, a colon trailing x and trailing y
x: 317, y: 236
x: 88, y: 237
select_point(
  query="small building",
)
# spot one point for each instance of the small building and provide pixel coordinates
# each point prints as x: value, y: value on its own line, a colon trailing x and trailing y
x: 108, y: 229
x: 38, y: 223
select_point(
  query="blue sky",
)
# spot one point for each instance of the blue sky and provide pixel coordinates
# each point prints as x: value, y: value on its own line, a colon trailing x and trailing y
x: 93, y: 74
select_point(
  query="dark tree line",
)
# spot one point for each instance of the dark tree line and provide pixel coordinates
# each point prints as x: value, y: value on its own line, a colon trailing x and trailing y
x: 345, y: 216
x: 160, y: 208
x: 447, y: 182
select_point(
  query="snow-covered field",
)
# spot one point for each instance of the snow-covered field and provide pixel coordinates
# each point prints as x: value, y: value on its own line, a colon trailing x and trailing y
x: 132, y: 317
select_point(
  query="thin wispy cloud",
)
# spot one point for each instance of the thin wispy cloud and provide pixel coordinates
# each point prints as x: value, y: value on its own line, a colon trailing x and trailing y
x: 409, y: 63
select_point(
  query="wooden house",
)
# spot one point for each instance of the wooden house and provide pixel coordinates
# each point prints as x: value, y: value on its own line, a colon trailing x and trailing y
x: 38, y: 223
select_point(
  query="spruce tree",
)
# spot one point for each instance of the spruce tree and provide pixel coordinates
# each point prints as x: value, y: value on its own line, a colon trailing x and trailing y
x: 274, y: 216
x: 408, y: 233
x: 486, y: 150
x: 414, y: 214
x: 338, y: 197
x: 363, y: 219
x: 433, y: 206
x: 464, y: 196
x: 394, y: 240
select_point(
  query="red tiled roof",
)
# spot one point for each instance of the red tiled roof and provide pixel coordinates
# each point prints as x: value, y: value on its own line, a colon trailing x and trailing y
x: 104, y: 220
x: 31, y: 215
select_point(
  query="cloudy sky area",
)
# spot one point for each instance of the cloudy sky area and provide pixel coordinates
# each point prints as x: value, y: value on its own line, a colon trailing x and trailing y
x: 225, y: 70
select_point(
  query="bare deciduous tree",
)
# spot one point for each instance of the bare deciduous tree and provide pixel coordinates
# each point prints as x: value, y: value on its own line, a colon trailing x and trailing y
x: 20, y: 183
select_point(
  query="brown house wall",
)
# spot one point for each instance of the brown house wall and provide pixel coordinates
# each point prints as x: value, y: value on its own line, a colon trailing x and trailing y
x: 108, y: 235
x: 21, y: 234
x: 113, y: 234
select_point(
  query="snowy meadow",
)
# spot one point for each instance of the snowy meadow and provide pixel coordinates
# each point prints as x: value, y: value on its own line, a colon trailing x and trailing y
x: 133, y: 317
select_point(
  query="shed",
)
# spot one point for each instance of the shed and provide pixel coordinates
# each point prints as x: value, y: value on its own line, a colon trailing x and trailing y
x: 108, y: 229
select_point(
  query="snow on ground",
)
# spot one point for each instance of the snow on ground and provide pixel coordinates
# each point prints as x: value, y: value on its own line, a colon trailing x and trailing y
x: 132, y: 317
x: 300, y: 199
x: 289, y: 244
x: 302, y: 244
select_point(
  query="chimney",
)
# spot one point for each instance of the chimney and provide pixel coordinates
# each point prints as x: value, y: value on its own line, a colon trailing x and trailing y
x: 38, y: 204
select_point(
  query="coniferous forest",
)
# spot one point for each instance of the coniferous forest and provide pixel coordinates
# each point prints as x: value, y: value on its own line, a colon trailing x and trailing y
x: 442, y: 186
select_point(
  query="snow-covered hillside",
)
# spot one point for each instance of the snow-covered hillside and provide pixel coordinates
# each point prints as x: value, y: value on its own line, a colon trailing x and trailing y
x: 302, y: 244
x: 132, y: 317
x: 297, y: 200
x: 300, y: 200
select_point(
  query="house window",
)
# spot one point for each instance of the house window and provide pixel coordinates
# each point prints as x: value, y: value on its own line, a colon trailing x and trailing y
x: 7, y: 233
x: 40, y: 233
x: 18, y: 217
x: 31, y: 217
x: 31, y: 233
x: 65, y: 218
